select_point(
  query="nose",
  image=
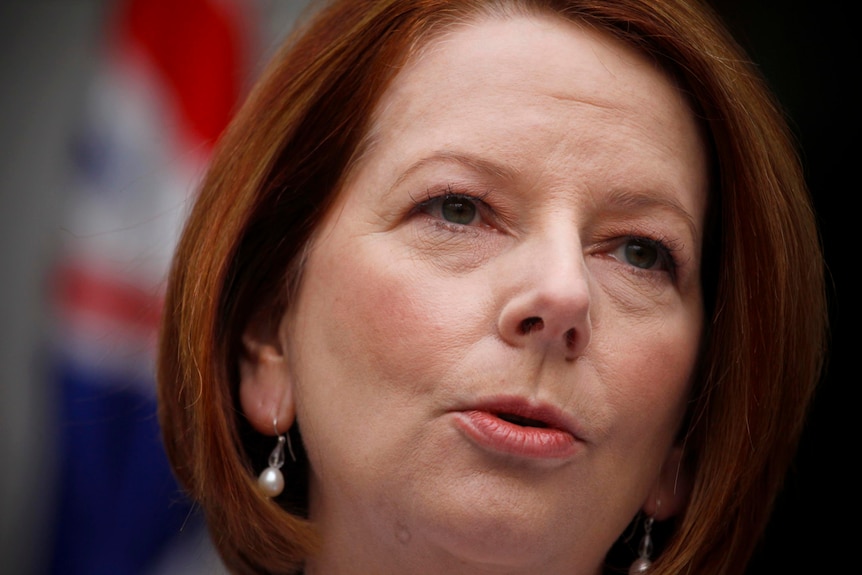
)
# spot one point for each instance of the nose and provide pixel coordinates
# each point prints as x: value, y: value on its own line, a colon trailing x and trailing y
x: 549, y: 308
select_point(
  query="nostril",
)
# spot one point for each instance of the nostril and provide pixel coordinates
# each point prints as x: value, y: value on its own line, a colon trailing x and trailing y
x: 570, y: 338
x: 532, y: 324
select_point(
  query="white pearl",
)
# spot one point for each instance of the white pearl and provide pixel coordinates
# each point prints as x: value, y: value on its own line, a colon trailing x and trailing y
x: 641, y: 565
x: 271, y: 482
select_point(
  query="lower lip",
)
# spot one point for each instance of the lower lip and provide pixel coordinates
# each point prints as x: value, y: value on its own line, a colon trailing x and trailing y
x: 495, y: 434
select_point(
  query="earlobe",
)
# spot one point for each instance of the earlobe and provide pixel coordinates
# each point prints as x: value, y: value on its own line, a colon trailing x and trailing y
x: 670, y: 494
x: 265, y: 387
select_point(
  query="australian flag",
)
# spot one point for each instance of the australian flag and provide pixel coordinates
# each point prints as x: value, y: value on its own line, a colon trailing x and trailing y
x: 171, y: 76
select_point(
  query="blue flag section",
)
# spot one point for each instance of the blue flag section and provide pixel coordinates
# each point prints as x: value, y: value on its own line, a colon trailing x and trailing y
x: 119, y: 505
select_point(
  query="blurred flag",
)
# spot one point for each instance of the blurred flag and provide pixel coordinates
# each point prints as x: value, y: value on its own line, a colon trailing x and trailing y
x: 171, y: 77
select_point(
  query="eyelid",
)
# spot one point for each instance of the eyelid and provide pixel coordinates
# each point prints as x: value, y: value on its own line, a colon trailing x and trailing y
x: 449, y: 190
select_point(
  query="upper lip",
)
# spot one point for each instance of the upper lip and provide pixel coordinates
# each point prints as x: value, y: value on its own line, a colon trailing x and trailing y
x: 543, y: 414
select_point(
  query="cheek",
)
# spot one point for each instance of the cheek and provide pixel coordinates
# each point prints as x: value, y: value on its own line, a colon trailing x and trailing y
x: 649, y: 373
x: 644, y: 372
x: 372, y: 344
x: 383, y: 317
x: 373, y: 317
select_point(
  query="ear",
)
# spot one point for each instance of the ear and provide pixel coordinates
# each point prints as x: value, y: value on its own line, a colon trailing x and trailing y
x: 670, y: 494
x: 265, y: 387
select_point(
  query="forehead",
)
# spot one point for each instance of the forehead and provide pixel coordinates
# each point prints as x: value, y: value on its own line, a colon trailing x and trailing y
x: 533, y: 65
x: 483, y: 52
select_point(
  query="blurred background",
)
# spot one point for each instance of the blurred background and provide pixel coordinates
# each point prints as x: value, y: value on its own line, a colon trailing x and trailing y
x: 108, y: 111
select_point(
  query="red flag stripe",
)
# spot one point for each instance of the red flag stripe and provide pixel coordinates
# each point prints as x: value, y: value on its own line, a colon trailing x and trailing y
x: 89, y: 291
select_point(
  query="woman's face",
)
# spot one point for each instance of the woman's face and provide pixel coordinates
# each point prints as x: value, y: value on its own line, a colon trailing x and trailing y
x: 491, y: 348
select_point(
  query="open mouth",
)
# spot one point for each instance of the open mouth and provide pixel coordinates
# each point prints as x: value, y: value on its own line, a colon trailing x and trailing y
x: 519, y: 430
x: 522, y: 421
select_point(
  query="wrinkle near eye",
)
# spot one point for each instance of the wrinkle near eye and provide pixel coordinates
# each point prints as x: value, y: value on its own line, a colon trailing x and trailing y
x: 452, y: 252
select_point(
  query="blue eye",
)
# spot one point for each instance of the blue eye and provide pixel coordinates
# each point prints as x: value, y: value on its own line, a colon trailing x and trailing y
x: 645, y: 254
x: 458, y: 210
x: 641, y: 254
x: 455, y: 209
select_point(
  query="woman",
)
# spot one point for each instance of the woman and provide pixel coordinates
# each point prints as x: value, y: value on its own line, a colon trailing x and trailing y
x: 510, y: 286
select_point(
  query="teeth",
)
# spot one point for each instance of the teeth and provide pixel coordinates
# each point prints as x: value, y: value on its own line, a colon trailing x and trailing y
x: 523, y: 421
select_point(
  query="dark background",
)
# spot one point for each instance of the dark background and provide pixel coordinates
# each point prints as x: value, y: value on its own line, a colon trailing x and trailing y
x: 809, y: 55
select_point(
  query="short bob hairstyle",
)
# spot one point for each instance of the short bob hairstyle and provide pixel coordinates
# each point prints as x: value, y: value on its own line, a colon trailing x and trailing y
x: 286, y: 156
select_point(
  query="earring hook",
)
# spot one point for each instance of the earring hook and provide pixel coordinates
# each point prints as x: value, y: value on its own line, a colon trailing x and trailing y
x: 286, y: 436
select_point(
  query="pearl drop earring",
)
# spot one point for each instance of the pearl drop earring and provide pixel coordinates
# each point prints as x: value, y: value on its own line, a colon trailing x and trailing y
x: 271, y: 481
x: 643, y: 563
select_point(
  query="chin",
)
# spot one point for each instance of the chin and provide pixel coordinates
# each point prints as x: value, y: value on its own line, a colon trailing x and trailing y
x: 498, y: 521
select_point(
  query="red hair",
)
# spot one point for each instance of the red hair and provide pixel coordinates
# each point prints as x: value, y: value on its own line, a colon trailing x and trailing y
x: 284, y: 159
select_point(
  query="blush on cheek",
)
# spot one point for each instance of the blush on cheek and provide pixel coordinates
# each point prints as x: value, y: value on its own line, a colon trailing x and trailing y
x: 374, y: 322
x: 649, y: 365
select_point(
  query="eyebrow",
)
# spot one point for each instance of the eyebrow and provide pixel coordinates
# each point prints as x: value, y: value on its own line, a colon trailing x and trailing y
x: 475, y: 163
x: 626, y: 200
